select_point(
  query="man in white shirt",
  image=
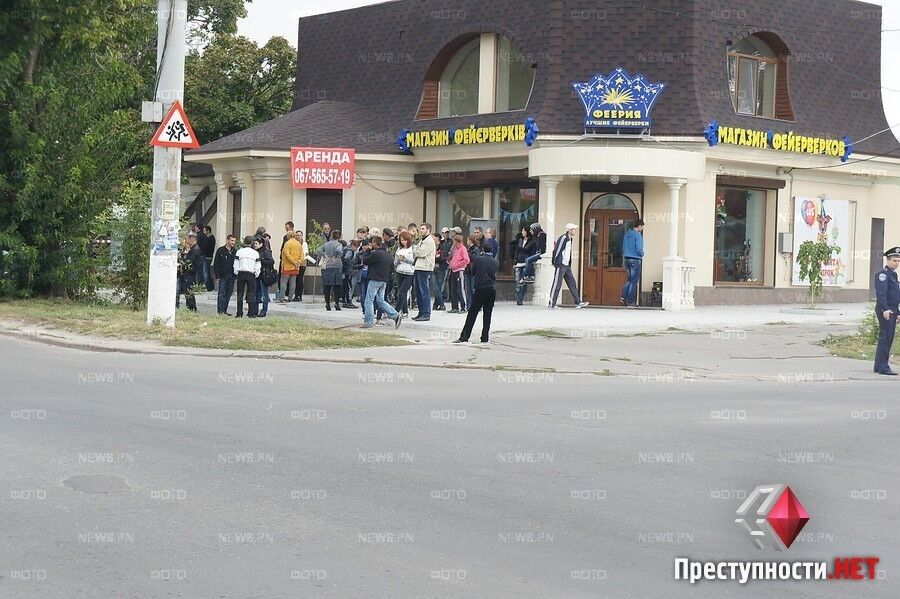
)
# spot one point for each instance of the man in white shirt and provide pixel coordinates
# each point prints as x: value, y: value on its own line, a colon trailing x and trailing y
x: 562, y: 261
x: 247, y: 268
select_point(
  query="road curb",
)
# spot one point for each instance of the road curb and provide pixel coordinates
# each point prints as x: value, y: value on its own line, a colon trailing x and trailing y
x: 49, y: 339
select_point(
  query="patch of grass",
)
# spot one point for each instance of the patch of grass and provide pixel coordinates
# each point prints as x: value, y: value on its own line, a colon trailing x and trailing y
x: 546, y: 333
x: 605, y: 372
x: 777, y: 323
x: 625, y: 335
x: 854, y: 346
x: 192, y: 329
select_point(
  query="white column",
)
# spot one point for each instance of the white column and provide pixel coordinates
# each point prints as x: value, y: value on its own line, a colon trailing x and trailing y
x: 544, y: 273
x: 674, y: 285
x: 548, y: 199
x: 223, y: 207
x: 299, y: 211
x: 674, y: 186
x: 487, y: 69
x: 244, y: 180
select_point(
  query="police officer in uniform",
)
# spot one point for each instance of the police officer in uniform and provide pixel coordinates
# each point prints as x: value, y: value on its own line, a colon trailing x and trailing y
x: 887, y: 309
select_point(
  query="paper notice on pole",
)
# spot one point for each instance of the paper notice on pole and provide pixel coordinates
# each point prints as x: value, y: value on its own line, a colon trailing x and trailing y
x: 169, y: 210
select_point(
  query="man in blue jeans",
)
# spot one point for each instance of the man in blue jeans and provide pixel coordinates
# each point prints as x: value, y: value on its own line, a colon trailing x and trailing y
x: 633, y: 250
x: 423, y: 253
x: 379, y: 263
x: 223, y: 271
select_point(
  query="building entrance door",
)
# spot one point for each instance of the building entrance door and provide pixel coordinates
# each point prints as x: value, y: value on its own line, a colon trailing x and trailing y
x: 604, y: 273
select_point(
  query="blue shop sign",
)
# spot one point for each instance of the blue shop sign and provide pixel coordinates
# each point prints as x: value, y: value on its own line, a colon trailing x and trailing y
x: 618, y: 101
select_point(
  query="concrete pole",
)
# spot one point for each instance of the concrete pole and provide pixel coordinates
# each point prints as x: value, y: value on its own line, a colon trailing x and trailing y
x: 171, y: 19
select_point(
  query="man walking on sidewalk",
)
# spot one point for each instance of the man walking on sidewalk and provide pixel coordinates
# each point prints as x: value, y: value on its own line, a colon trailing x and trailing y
x: 562, y: 261
x: 379, y: 263
x: 633, y: 249
x: 247, y: 267
x: 887, y: 309
x: 484, y: 267
x: 223, y: 270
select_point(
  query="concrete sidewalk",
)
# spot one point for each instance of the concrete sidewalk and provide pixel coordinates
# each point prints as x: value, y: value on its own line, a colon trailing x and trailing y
x: 591, y: 321
x: 711, y: 343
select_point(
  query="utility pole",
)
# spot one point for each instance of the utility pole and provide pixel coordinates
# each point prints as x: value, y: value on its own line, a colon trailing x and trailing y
x: 171, y: 19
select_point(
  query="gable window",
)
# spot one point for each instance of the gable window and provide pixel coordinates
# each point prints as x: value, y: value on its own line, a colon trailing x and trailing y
x: 477, y: 73
x: 757, y: 77
x: 458, y: 90
x: 515, y: 77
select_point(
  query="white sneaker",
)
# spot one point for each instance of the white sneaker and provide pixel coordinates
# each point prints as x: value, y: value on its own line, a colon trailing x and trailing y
x: 581, y: 305
x: 554, y: 307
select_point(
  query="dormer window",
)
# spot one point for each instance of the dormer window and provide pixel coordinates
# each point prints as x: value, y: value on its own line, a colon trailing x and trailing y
x: 458, y: 88
x: 477, y: 74
x: 757, y: 77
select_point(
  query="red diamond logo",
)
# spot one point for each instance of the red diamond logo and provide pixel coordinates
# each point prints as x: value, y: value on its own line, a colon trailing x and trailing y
x: 788, y: 517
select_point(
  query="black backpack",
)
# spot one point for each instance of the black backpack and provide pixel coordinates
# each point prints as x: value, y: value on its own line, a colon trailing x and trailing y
x: 268, y: 275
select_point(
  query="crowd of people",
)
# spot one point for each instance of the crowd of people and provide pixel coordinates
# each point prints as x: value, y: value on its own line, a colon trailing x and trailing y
x: 388, y: 271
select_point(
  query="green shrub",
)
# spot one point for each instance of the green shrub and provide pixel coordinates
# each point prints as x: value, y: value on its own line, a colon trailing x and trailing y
x: 127, y: 269
x: 868, y: 326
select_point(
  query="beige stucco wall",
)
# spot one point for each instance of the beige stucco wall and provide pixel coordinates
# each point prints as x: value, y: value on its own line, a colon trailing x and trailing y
x: 656, y: 232
x: 393, y: 203
x: 273, y: 205
x: 698, y: 225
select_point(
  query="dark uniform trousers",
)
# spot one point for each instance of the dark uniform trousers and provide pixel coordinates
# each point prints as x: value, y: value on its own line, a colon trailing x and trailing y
x: 887, y: 290
x: 886, y: 330
x: 482, y: 298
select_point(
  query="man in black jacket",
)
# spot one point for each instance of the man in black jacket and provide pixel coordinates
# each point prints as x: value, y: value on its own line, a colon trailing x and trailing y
x: 540, y: 242
x: 223, y: 271
x: 208, y: 247
x: 379, y: 264
x: 483, y: 269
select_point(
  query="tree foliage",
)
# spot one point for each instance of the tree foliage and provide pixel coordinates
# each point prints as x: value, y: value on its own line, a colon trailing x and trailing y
x: 813, y: 255
x: 234, y: 84
x: 73, y: 74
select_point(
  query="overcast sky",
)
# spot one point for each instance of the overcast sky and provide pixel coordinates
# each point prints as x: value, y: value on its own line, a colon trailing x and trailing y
x: 267, y: 18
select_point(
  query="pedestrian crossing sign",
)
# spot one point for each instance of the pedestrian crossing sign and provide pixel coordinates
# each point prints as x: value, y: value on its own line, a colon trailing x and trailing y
x: 175, y: 130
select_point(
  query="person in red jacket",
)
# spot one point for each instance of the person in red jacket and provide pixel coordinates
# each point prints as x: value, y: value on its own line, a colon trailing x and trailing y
x: 459, y: 260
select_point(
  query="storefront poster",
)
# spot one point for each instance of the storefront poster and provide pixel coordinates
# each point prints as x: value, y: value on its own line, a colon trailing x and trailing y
x: 323, y: 168
x: 618, y: 100
x: 813, y: 216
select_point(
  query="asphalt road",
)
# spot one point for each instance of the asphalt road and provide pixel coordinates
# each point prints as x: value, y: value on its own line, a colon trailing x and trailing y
x: 157, y: 476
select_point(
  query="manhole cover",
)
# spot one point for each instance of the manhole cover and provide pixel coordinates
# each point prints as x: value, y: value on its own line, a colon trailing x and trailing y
x: 97, y: 483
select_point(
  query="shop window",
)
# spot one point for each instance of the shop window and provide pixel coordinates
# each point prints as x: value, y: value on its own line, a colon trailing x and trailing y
x: 757, y: 77
x: 458, y: 207
x: 514, y: 209
x: 740, y: 235
x: 515, y: 77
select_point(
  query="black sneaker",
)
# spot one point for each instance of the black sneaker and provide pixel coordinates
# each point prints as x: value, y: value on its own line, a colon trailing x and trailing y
x: 461, y: 341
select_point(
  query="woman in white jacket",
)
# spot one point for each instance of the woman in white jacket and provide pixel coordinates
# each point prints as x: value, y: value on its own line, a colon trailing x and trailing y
x: 404, y: 264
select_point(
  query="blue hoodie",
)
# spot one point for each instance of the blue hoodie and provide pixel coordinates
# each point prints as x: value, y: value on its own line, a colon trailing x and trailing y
x: 633, y: 245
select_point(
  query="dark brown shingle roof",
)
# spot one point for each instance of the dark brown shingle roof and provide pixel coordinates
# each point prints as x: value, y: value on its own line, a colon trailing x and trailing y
x: 360, y: 73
